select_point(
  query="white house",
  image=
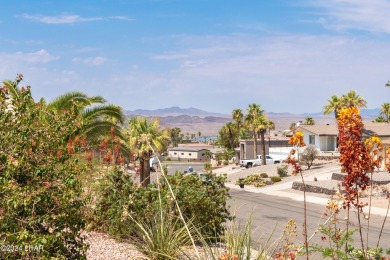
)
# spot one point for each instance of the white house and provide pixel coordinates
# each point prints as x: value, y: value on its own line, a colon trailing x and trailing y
x: 190, y: 154
x: 324, y: 137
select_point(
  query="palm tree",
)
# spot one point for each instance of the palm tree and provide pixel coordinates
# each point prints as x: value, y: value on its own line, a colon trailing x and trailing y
x: 309, y: 121
x: 145, y: 136
x: 254, y: 112
x: 99, y: 119
x: 346, y: 100
x: 228, y: 136
x: 334, y: 105
x: 351, y: 99
x: 262, y: 125
x: 238, y: 116
x: 388, y: 84
x: 385, y: 110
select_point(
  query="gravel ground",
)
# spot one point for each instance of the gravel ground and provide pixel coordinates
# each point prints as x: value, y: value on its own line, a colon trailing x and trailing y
x: 102, y: 247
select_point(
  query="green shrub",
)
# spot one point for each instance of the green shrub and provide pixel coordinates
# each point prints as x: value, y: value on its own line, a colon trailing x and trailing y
x: 264, y: 175
x: 39, y: 179
x: 205, y: 202
x: 276, y: 179
x: 282, y: 171
x: 225, y: 163
x: 260, y: 183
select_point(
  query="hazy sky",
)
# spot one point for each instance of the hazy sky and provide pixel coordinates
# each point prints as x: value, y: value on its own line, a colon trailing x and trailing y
x: 216, y: 55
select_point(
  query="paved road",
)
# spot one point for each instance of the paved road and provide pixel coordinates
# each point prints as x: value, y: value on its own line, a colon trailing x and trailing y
x: 270, y: 212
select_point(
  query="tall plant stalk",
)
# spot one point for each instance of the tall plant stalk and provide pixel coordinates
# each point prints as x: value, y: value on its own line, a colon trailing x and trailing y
x: 177, y: 205
x: 305, y: 217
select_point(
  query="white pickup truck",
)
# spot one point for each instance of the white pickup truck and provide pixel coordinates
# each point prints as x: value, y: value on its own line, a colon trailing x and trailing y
x: 254, y: 162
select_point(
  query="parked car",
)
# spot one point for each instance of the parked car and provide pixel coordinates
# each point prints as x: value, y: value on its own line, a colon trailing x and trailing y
x: 254, y: 162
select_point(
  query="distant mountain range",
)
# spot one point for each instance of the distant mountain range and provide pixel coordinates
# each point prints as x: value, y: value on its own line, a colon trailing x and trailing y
x: 193, y: 120
x: 177, y: 111
x: 173, y: 111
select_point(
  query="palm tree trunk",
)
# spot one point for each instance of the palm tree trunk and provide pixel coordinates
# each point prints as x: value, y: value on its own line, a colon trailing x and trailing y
x: 263, y: 161
x: 146, y: 170
x: 255, y: 143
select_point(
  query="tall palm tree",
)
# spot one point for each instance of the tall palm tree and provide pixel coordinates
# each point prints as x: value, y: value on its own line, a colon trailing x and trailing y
x: 346, y: 100
x: 351, y: 99
x: 238, y: 116
x: 334, y: 105
x: 144, y: 136
x: 262, y: 125
x: 228, y: 136
x: 309, y: 121
x: 253, y: 113
x: 385, y: 110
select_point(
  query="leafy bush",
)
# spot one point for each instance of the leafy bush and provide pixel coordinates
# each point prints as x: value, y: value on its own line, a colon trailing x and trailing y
x: 264, y: 175
x: 282, y: 170
x: 39, y: 187
x: 205, y: 203
x: 308, y: 155
x: 276, y: 179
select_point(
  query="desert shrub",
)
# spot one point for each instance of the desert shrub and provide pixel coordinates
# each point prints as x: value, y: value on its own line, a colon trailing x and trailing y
x: 251, y: 179
x: 121, y: 202
x: 260, y: 183
x: 276, y: 179
x: 282, y: 171
x: 39, y: 186
x: 225, y: 163
x: 264, y: 175
x: 308, y: 155
x: 255, y: 180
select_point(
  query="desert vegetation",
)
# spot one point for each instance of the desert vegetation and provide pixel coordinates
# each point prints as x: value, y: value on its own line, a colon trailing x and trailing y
x: 62, y: 174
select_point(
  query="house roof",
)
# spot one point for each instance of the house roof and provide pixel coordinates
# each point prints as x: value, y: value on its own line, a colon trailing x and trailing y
x: 320, y: 129
x: 381, y: 129
x: 187, y: 149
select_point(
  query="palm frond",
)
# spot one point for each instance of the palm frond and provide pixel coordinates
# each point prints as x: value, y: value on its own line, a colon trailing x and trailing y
x: 111, y: 111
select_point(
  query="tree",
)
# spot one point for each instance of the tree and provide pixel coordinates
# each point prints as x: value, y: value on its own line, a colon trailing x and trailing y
x: 99, y: 119
x: 309, y: 121
x: 238, y: 116
x: 385, y: 111
x: 262, y: 124
x: 293, y: 126
x: 228, y: 136
x: 308, y: 155
x: 145, y: 136
x: 253, y: 113
x: 351, y: 99
x: 347, y: 100
x: 40, y: 189
x: 334, y: 105
x: 388, y: 84
x: 176, y: 136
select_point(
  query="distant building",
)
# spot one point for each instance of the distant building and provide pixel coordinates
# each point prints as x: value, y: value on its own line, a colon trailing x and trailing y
x: 190, y: 154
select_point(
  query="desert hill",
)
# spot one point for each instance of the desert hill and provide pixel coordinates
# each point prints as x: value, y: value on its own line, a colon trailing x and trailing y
x: 193, y: 120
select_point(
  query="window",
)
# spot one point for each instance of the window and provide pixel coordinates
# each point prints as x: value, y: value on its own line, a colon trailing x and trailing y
x: 182, y: 153
x: 312, y: 139
x: 202, y: 154
x: 189, y: 154
x: 174, y: 153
